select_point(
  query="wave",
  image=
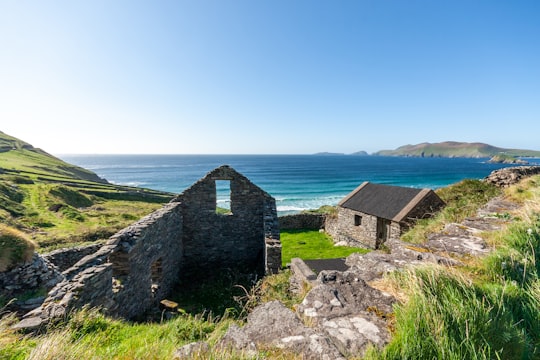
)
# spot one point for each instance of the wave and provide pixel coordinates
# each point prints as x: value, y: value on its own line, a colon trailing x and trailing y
x: 290, y: 208
x: 129, y: 183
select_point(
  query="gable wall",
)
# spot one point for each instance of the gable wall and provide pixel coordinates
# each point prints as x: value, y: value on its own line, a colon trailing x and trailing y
x: 234, y: 240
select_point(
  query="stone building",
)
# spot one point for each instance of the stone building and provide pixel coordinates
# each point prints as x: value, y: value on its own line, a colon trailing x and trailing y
x: 188, y: 239
x: 374, y: 213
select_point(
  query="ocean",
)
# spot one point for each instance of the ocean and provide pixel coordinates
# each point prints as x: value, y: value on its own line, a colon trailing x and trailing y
x: 297, y: 182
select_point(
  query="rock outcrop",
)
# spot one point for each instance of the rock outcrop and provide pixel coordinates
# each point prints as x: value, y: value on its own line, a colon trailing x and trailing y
x: 511, y: 175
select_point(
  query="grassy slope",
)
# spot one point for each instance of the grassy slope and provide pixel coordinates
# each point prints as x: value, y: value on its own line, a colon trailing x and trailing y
x: 58, y: 204
x: 455, y: 149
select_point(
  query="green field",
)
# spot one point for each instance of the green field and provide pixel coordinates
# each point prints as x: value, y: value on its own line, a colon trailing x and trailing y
x: 311, y: 244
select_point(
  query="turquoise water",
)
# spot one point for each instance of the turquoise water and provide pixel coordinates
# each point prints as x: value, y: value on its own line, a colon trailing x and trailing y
x: 297, y: 182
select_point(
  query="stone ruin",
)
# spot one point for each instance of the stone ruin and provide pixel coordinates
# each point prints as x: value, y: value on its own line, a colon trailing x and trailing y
x: 185, y: 240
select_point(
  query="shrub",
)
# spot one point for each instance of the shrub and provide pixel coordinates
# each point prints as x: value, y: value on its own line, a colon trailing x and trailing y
x: 15, y: 247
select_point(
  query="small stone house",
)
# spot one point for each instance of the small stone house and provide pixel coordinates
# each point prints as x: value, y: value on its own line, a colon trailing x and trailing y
x: 374, y: 213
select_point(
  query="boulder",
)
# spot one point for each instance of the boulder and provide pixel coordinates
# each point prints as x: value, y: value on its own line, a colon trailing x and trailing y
x: 274, y: 325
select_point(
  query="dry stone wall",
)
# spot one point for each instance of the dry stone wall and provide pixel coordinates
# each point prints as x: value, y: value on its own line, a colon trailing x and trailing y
x: 63, y: 259
x: 302, y: 221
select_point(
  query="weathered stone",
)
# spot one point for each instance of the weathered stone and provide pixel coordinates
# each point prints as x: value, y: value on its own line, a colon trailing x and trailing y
x: 339, y: 294
x: 301, y: 275
x: 352, y: 335
x: 36, y: 275
x: 302, y: 221
x: 461, y: 245
x: 511, y: 175
x: 63, y: 259
x: 31, y: 323
x: 272, y: 324
x: 197, y: 350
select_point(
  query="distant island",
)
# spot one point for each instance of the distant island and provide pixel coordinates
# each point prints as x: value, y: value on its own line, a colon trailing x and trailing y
x: 456, y: 149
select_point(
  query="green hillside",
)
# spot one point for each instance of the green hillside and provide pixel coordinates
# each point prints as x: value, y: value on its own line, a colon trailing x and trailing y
x: 455, y: 149
x: 58, y: 204
x: 17, y: 156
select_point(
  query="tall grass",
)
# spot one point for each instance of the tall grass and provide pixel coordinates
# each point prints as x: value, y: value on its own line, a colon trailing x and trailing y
x: 449, y: 317
x: 462, y: 200
x: 15, y: 247
x: 488, y: 310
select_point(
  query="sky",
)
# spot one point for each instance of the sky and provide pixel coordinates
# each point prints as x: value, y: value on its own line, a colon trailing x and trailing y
x: 268, y: 76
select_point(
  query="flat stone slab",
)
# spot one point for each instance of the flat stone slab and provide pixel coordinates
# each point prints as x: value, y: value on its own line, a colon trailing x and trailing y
x: 460, y: 245
x: 351, y: 335
x: 29, y: 324
x: 273, y: 324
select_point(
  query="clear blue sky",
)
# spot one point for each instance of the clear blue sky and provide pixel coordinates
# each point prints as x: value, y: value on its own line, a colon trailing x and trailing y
x: 275, y: 76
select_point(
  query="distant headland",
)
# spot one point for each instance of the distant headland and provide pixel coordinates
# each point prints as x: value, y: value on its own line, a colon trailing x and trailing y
x: 451, y: 149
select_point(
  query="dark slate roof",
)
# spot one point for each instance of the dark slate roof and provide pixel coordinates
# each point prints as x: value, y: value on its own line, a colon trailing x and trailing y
x: 319, y: 265
x: 383, y: 201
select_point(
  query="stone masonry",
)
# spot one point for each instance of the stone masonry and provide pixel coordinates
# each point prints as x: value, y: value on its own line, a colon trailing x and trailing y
x: 302, y: 221
x: 186, y: 239
x: 229, y: 240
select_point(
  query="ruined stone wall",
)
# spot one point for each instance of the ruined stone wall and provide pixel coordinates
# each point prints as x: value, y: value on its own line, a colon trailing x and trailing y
x: 63, y: 259
x: 235, y: 240
x: 147, y: 260
x: 34, y: 275
x: 135, y: 269
x: 302, y: 221
x: 512, y: 175
x: 272, y: 255
x: 138, y: 266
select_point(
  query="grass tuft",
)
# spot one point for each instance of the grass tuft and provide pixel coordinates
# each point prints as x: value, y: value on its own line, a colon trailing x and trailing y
x: 462, y: 200
x: 15, y: 247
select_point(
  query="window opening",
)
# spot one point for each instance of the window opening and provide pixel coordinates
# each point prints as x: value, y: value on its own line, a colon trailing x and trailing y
x: 357, y: 220
x: 223, y: 197
x: 156, y: 271
x: 120, y: 270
